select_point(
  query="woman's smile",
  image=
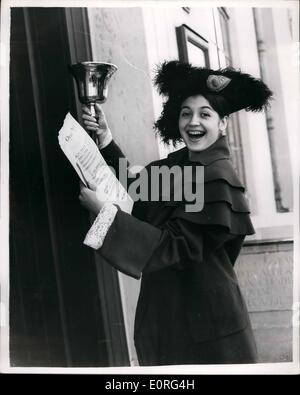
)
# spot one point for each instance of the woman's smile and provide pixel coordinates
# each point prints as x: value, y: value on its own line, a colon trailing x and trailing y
x: 195, y: 135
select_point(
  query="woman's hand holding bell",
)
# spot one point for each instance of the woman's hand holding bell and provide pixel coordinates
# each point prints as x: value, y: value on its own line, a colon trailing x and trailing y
x: 100, y: 126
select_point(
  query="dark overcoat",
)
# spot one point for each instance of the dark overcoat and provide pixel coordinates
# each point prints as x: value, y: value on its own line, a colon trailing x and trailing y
x: 190, y: 308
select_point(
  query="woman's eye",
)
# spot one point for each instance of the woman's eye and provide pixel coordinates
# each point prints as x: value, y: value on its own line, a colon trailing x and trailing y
x: 204, y: 115
x: 185, y: 114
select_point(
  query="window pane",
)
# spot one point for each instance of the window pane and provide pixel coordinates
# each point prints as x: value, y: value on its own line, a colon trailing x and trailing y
x: 196, y: 55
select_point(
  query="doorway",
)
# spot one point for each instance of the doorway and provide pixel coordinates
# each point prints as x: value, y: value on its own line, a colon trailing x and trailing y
x: 65, y: 305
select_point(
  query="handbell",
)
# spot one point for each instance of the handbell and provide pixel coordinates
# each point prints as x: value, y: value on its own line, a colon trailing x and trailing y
x: 92, y: 82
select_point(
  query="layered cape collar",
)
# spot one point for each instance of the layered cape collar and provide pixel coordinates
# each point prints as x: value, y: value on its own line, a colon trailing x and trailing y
x: 224, y: 201
x: 218, y: 150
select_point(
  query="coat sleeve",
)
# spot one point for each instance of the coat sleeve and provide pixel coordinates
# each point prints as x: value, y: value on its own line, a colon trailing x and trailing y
x: 135, y: 247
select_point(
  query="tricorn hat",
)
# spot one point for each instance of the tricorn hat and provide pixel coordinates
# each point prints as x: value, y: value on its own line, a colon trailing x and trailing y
x: 240, y: 90
x: 228, y: 90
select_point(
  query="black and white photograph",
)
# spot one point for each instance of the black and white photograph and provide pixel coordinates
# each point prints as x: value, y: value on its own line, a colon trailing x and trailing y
x: 149, y: 201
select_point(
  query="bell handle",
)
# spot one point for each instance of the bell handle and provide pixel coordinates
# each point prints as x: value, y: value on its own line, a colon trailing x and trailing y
x: 96, y: 116
x: 93, y: 111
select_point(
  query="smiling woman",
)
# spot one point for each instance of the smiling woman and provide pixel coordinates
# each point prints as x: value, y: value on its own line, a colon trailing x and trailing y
x: 190, y: 308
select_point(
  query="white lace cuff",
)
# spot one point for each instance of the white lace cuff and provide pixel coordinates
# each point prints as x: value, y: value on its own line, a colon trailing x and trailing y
x: 96, y: 235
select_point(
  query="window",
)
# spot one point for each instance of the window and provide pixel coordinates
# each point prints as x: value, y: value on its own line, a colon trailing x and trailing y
x: 276, y: 116
x: 224, y: 24
x: 233, y: 124
x: 192, y: 47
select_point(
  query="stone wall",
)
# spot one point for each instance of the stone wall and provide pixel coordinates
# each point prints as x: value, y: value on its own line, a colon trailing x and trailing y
x: 118, y: 36
x: 265, y: 273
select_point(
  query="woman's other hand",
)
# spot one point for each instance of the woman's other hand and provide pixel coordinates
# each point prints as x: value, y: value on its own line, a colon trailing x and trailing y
x: 89, y: 200
x: 100, y: 126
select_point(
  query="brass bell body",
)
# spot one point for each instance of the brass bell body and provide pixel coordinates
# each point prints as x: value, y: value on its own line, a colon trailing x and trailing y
x: 92, y: 81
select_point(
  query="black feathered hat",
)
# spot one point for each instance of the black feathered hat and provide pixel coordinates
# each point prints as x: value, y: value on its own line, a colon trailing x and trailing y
x: 228, y: 90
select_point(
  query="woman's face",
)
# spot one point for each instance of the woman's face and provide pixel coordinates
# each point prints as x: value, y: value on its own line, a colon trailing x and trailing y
x: 199, y: 124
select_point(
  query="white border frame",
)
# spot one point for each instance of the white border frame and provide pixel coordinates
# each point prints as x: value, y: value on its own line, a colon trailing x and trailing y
x: 270, y: 368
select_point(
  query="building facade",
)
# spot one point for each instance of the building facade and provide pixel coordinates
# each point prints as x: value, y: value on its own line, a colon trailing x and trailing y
x: 258, y: 41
